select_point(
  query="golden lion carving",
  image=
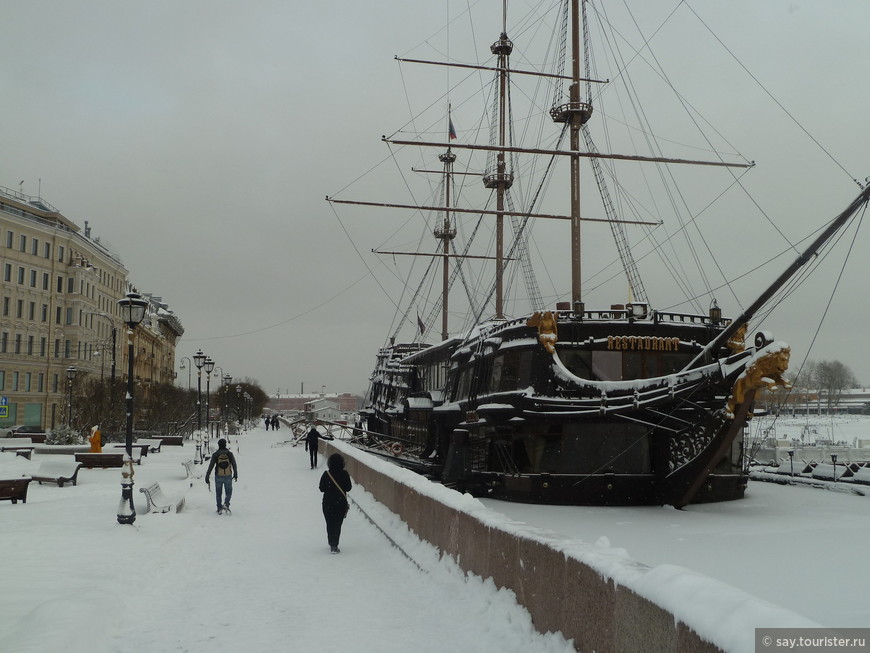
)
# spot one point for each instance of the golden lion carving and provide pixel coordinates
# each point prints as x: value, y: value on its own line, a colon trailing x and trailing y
x: 548, y: 332
x: 765, y: 372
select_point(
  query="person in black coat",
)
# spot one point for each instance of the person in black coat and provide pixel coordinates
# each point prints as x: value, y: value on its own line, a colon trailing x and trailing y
x: 335, y: 484
x: 311, y: 442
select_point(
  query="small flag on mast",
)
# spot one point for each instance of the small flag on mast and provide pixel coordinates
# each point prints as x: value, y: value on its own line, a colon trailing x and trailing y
x: 451, y: 130
x: 420, y: 324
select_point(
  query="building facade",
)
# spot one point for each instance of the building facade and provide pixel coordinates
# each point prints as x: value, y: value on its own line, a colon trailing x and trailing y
x: 59, y: 310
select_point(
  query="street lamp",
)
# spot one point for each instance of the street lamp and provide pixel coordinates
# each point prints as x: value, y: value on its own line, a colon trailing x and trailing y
x: 208, y: 366
x: 70, y: 375
x: 227, y: 382
x: 239, y: 402
x: 834, y: 460
x: 199, y: 361
x: 189, y: 365
x: 132, y: 313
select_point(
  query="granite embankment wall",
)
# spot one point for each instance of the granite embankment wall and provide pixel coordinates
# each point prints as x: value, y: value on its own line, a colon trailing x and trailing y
x: 592, y: 596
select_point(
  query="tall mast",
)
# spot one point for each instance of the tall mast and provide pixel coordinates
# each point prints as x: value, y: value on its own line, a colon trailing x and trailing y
x: 576, y: 113
x: 501, y: 179
x: 446, y: 232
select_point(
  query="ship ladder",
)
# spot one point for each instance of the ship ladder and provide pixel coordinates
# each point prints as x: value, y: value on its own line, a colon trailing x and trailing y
x: 503, y: 454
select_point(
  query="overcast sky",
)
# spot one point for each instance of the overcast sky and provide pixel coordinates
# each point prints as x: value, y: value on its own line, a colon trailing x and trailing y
x: 200, y: 138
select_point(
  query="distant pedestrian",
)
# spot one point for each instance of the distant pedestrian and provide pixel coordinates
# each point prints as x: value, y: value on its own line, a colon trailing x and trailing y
x: 275, y: 423
x: 335, y: 484
x: 311, y: 442
x: 268, y: 421
x: 226, y: 471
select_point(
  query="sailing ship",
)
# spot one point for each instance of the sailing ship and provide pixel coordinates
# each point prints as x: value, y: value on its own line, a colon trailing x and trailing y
x: 567, y: 404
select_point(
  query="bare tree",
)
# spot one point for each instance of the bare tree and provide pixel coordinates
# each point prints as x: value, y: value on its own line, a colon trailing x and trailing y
x: 833, y: 377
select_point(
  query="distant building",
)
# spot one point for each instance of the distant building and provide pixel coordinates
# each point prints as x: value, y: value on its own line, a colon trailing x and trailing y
x: 59, y: 309
x: 323, y: 409
x: 346, y: 402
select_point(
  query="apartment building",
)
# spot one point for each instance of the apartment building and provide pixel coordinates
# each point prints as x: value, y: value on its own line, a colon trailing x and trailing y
x: 59, y: 309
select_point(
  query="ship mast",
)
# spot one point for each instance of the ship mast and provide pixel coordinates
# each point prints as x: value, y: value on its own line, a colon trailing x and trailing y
x: 446, y: 232
x: 501, y: 179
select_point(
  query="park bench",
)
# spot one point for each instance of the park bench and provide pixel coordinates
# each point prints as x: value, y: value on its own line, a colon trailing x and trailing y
x: 35, y: 438
x: 20, y: 446
x: 102, y: 460
x: 63, y: 449
x: 158, y: 502
x: 57, y: 471
x: 153, y: 444
x: 191, y: 470
x: 172, y: 440
x: 13, y: 489
x: 140, y: 447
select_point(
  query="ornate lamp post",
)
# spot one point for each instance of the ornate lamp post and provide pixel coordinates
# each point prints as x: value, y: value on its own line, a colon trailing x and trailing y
x: 199, y: 361
x: 239, y: 402
x: 189, y: 365
x: 70, y: 375
x: 228, y: 380
x: 132, y: 312
x: 208, y: 366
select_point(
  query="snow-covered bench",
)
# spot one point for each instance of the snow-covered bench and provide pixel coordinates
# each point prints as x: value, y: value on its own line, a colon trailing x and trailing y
x: 58, y: 471
x: 157, y: 502
x: 154, y: 444
x: 20, y: 446
x: 139, y: 449
x: 102, y: 460
x: 61, y: 449
x: 191, y: 469
x: 13, y: 489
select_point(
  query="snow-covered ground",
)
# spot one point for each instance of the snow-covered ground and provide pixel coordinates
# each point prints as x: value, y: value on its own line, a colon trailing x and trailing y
x: 263, y: 578
x: 75, y: 580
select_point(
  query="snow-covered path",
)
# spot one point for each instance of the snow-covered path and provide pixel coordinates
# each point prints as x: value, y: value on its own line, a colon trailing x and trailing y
x: 260, y: 580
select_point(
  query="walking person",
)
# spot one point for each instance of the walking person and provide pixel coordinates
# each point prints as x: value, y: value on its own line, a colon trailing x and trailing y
x: 335, y: 484
x: 226, y: 471
x: 311, y: 442
x: 268, y: 421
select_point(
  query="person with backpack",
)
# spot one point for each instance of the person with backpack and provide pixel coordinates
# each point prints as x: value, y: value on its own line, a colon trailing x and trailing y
x: 335, y: 484
x: 226, y: 471
x: 311, y: 442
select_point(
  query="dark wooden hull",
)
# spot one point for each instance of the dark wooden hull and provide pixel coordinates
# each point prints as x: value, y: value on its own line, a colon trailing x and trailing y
x: 512, y: 421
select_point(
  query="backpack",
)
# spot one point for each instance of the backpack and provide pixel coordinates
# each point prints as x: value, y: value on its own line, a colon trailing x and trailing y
x: 223, y: 465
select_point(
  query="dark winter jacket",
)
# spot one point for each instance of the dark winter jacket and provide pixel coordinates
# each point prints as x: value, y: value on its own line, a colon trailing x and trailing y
x: 213, y: 462
x: 332, y: 496
x: 311, y: 439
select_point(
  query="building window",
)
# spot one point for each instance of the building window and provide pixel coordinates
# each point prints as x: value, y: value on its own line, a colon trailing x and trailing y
x: 31, y: 312
x: 30, y: 345
x: 7, y: 272
x: 57, y: 315
x: 9, y: 237
x: 2, y: 380
x: 56, y: 350
x: 67, y: 347
x: 47, y: 252
x: 70, y: 285
x: 17, y: 343
x: 14, y: 381
x: 60, y: 253
x: 40, y: 382
x: 22, y: 243
x: 45, y: 312
x: 42, y: 343
x: 45, y: 278
x: 19, y: 309
x: 21, y: 275
x: 4, y: 342
x: 27, y: 378
x: 69, y: 315
x: 54, y: 379
x: 34, y: 247
x: 60, y: 284
x: 5, y: 307
x: 33, y: 278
